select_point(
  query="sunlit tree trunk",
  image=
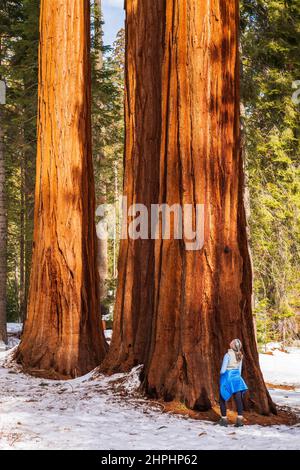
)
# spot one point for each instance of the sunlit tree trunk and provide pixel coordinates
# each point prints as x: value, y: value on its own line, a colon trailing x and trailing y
x: 134, y: 302
x: 63, y: 333
x: 183, y: 146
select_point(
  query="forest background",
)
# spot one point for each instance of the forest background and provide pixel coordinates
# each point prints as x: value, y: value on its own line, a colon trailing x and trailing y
x: 270, y: 65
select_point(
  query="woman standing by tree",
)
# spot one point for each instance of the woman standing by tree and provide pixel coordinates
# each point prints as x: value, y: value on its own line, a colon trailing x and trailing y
x: 231, y: 382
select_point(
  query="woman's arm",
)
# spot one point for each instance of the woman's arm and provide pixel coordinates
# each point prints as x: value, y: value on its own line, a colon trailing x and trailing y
x: 240, y: 366
x: 224, y: 364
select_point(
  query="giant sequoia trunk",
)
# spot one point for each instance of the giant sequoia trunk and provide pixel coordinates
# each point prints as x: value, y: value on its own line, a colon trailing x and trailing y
x: 134, y: 303
x: 63, y: 335
x: 177, y: 310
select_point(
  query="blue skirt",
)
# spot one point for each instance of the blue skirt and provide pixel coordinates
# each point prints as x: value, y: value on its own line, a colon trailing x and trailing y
x: 231, y: 382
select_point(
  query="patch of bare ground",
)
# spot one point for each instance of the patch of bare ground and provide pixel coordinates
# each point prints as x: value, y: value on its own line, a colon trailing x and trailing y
x: 281, y: 387
x: 284, y: 416
x: 271, y: 353
x: 11, y: 437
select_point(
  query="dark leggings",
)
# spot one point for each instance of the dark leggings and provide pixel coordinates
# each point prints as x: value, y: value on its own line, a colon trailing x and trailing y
x: 238, y: 397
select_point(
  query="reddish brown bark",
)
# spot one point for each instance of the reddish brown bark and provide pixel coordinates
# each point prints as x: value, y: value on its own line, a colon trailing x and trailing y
x: 183, y: 146
x: 63, y: 333
x: 134, y: 303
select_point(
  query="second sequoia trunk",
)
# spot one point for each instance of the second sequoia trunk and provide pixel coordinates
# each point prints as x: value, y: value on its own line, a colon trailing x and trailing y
x: 134, y: 303
x: 193, y: 302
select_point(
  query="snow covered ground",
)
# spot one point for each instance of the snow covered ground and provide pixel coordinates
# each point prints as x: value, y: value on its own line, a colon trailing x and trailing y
x: 97, y: 414
x: 282, y: 368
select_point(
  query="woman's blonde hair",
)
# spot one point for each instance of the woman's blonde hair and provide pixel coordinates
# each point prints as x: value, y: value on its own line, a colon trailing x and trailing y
x: 236, y: 346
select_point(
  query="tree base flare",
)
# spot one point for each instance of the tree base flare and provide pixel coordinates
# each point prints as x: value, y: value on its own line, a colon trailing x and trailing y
x: 284, y: 416
x: 44, y: 371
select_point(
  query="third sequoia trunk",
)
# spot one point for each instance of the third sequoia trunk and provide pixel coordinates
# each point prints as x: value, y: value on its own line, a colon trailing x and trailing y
x: 176, y: 309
